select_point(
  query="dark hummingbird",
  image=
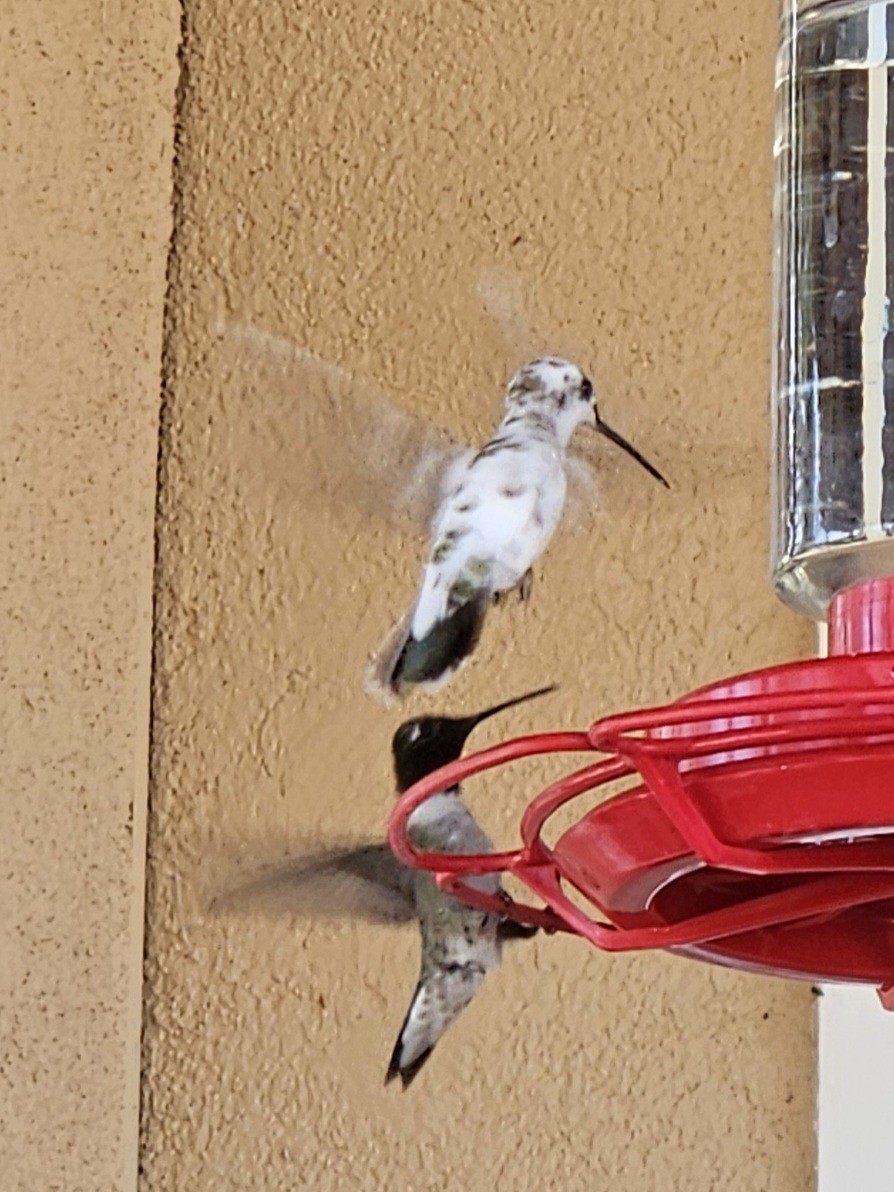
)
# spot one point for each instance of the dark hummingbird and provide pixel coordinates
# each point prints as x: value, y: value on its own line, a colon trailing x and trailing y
x: 460, y: 944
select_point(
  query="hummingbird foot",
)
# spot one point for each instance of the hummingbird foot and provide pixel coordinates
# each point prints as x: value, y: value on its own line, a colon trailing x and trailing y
x: 509, y: 929
x: 526, y: 586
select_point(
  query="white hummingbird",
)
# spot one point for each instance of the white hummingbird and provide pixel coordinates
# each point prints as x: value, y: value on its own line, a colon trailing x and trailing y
x: 460, y: 944
x: 499, y: 508
x: 324, y: 437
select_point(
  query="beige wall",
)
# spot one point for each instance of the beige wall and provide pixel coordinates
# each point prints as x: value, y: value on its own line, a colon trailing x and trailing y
x: 87, y: 99
x: 348, y: 177
x: 352, y: 179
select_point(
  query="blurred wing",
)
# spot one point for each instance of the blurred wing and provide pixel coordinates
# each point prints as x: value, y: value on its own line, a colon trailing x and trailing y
x: 582, y: 500
x: 367, y: 882
x: 599, y: 476
x: 315, y: 430
x: 501, y: 291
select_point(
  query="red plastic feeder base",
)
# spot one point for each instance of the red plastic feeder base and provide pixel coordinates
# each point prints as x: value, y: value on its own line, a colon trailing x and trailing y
x: 756, y: 830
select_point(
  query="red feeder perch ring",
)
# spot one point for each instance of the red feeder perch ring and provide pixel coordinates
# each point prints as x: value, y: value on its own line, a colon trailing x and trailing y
x: 757, y: 831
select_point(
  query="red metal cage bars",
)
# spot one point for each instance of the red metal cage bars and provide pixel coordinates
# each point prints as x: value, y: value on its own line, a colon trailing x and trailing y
x: 766, y: 738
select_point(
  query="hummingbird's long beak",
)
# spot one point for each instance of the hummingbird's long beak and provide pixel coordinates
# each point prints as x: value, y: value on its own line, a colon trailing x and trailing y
x: 470, y: 722
x: 604, y: 429
x: 442, y: 741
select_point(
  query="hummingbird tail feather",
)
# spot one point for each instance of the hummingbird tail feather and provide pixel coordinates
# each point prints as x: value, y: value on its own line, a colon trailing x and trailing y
x: 379, y: 679
x: 436, y: 657
x: 441, y: 996
x: 410, y: 1050
x: 402, y: 661
x: 407, y: 1074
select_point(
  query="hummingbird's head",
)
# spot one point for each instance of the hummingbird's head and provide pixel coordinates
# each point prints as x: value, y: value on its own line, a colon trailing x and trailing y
x: 425, y: 743
x: 555, y: 387
x: 559, y: 389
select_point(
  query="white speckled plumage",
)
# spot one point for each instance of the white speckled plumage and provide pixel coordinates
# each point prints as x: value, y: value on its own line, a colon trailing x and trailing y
x: 460, y: 945
x: 499, y: 509
x: 503, y: 508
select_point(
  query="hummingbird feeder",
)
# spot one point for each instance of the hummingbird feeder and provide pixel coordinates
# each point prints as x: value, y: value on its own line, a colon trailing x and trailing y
x: 755, y: 824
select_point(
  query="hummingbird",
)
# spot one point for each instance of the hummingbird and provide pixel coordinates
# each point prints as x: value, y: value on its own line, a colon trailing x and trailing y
x: 499, y: 508
x: 460, y: 944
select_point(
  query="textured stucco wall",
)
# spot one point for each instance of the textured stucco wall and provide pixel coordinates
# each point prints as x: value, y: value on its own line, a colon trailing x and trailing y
x: 87, y: 97
x: 348, y: 176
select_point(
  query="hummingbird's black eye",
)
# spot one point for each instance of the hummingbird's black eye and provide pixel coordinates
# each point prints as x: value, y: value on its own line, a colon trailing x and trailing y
x: 586, y: 389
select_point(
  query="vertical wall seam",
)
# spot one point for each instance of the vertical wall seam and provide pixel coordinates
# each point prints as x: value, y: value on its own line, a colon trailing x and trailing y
x: 143, y: 830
